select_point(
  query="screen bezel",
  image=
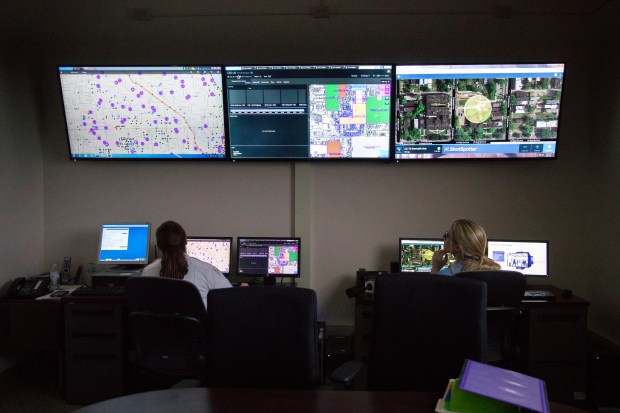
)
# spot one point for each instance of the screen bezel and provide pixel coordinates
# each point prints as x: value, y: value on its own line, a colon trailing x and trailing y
x: 421, y: 240
x: 240, y: 240
x: 526, y: 273
x: 126, y: 261
x: 73, y: 155
x: 536, y: 146
x: 229, y: 240
x: 230, y: 68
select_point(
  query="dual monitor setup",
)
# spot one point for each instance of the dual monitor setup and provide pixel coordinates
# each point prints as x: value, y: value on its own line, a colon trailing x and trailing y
x: 128, y: 244
x: 528, y: 257
x: 313, y: 112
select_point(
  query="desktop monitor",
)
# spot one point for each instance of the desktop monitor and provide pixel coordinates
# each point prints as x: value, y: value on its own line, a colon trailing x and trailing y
x: 416, y: 254
x: 143, y: 112
x: 477, y: 111
x: 528, y: 257
x: 315, y: 112
x: 124, y: 244
x: 268, y: 257
x: 216, y: 251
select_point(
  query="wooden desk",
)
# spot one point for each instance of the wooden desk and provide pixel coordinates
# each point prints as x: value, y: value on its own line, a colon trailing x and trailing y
x: 552, y: 337
x: 204, y: 400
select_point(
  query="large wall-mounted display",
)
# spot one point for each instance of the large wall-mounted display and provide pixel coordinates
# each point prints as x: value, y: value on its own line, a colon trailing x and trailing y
x: 144, y: 112
x: 477, y: 111
x: 309, y: 112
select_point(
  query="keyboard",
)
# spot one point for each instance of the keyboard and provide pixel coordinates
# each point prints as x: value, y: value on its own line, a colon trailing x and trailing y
x: 99, y: 290
x: 538, y: 295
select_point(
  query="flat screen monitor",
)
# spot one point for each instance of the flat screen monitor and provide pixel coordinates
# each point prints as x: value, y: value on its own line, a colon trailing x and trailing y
x: 216, y: 251
x: 268, y: 257
x: 477, y: 111
x: 416, y: 254
x: 528, y: 257
x: 144, y: 112
x: 124, y: 244
x: 309, y: 112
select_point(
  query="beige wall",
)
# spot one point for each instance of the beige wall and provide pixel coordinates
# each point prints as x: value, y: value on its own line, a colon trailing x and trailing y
x: 350, y: 215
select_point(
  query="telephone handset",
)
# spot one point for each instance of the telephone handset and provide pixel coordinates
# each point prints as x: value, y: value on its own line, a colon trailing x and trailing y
x: 31, y: 287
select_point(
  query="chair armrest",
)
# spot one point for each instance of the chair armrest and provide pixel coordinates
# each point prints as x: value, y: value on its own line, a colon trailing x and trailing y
x: 347, y: 372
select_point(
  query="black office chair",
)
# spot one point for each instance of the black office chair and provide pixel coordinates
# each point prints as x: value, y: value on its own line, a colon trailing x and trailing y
x: 504, y: 294
x: 423, y: 328
x: 167, y: 320
x: 262, y: 337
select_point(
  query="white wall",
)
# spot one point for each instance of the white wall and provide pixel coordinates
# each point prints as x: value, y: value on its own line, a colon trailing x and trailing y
x: 350, y: 215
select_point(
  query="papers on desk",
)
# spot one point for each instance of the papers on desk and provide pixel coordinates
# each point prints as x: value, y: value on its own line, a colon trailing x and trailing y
x: 482, y: 388
x: 69, y: 288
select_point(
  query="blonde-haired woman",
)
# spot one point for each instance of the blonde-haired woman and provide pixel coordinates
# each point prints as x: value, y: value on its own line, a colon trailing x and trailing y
x: 467, y: 242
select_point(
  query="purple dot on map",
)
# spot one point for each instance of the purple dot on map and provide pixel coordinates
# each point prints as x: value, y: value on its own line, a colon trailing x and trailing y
x: 105, y: 128
x: 138, y: 95
x: 219, y: 149
x: 98, y: 137
x: 133, y: 89
x: 122, y: 106
x: 202, y: 78
x: 143, y: 106
x: 129, y: 108
x: 182, y: 86
x: 142, y: 143
x: 195, y: 148
x: 141, y: 92
x: 112, y: 105
x: 84, y: 123
x: 156, y: 144
x: 94, y: 122
x: 204, y: 83
x: 155, y: 121
x: 106, y: 143
x: 98, y: 86
x: 118, y: 143
x: 172, y: 92
x: 163, y: 73
x: 98, y: 76
x: 205, y: 126
x: 166, y: 118
x: 222, y: 137
x: 184, y: 141
x: 120, y: 80
x: 212, y: 80
x: 187, y: 97
x: 176, y: 130
x: 90, y: 112
x: 175, y: 77
x: 212, y: 94
x: 176, y: 120
x: 135, y: 142
x: 147, y: 139
x: 182, y: 80
x: 116, y: 82
x: 153, y: 109
x: 161, y: 92
x: 96, y: 127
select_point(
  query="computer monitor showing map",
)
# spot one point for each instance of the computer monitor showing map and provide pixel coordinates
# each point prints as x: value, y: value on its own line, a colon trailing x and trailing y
x: 309, y: 112
x: 268, y: 257
x: 124, y: 244
x: 416, y: 254
x: 137, y: 112
x: 216, y: 251
x: 477, y: 111
x: 528, y: 257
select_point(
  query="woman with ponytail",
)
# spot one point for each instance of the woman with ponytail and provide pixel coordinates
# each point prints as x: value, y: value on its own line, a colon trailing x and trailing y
x: 175, y: 263
x: 467, y: 242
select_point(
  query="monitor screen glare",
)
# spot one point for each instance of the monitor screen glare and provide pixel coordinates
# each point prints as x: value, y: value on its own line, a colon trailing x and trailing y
x: 309, y: 112
x: 215, y: 251
x: 528, y: 257
x: 124, y: 244
x: 144, y: 112
x: 416, y: 255
x: 268, y: 257
x: 477, y: 111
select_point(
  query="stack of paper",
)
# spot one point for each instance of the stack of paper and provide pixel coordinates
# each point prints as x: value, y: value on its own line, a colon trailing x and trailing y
x: 482, y: 388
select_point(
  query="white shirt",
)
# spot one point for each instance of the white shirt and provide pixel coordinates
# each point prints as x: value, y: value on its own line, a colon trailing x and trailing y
x: 203, y: 275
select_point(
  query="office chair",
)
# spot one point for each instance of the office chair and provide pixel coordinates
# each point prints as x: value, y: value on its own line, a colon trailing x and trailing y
x: 262, y: 337
x: 423, y: 328
x: 504, y: 294
x: 167, y: 320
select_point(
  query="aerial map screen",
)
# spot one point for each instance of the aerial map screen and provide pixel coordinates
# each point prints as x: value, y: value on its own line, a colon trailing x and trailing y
x: 477, y: 111
x: 309, y: 112
x: 144, y: 112
x: 215, y: 251
x: 268, y: 257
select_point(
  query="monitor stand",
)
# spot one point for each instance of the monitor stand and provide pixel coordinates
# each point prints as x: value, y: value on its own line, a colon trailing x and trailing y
x: 269, y: 280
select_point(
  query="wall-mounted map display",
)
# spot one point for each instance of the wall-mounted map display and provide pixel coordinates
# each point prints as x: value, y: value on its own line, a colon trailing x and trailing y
x: 477, y: 111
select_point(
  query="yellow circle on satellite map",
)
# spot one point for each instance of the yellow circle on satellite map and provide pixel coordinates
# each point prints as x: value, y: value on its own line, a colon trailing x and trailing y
x: 477, y: 109
x: 427, y: 254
